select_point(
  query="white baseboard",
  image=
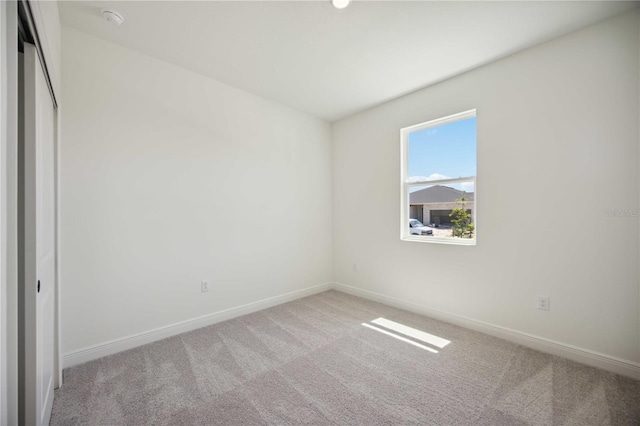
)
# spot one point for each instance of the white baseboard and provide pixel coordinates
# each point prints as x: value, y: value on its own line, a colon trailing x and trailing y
x: 129, y: 342
x: 574, y: 353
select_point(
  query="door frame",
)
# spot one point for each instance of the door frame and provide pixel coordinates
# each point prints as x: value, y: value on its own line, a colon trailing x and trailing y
x: 18, y: 19
x: 8, y: 213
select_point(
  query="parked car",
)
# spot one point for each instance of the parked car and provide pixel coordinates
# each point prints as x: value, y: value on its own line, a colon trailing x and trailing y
x: 418, y: 228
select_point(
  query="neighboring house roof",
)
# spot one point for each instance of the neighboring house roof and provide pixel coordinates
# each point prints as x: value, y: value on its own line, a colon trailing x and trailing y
x: 438, y: 194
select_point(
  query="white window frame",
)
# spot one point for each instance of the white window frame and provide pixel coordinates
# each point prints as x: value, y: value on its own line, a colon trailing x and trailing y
x: 405, y: 184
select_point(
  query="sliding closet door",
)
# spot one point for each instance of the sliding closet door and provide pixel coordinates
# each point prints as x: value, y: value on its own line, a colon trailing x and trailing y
x: 38, y: 242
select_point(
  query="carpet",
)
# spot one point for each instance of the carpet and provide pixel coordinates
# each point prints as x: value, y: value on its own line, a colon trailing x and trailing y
x: 312, y: 361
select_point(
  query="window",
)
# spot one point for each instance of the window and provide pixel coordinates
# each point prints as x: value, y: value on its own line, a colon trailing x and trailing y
x: 439, y: 180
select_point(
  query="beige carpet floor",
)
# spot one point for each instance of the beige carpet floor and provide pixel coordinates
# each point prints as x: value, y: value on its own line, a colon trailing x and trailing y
x: 312, y: 361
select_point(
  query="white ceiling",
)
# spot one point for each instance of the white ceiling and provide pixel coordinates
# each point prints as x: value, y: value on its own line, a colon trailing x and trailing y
x: 329, y: 62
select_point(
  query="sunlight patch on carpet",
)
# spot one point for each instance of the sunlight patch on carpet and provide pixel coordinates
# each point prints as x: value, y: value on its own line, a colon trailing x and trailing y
x: 412, y: 332
x: 404, y: 339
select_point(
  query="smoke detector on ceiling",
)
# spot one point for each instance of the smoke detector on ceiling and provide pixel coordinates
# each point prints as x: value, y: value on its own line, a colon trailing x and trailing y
x: 340, y: 4
x: 112, y: 16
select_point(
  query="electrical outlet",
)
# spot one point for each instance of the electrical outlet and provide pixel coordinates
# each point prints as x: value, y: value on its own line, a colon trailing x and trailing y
x: 355, y: 267
x: 543, y: 303
x: 204, y: 286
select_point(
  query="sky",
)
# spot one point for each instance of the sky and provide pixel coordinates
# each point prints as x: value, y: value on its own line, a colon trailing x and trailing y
x: 446, y: 151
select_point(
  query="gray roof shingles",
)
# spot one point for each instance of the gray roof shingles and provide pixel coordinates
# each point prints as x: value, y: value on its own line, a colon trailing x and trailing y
x: 438, y: 194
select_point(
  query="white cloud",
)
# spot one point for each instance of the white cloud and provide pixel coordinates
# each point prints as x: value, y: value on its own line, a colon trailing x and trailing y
x: 468, y: 186
x: 433, y: 176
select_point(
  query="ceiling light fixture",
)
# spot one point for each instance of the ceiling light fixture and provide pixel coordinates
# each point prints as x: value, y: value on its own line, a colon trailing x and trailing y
x: 340, y: 4
x: 112, y: 16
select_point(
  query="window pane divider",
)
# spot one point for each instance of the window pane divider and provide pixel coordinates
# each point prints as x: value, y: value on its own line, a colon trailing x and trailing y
x: 439, y: 181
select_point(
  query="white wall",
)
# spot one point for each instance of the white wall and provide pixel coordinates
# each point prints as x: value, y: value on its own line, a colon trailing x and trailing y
x: 557, y: 145
x: 169, y: 178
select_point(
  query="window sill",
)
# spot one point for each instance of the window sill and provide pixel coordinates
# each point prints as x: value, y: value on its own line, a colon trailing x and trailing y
x: 439, y: 240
